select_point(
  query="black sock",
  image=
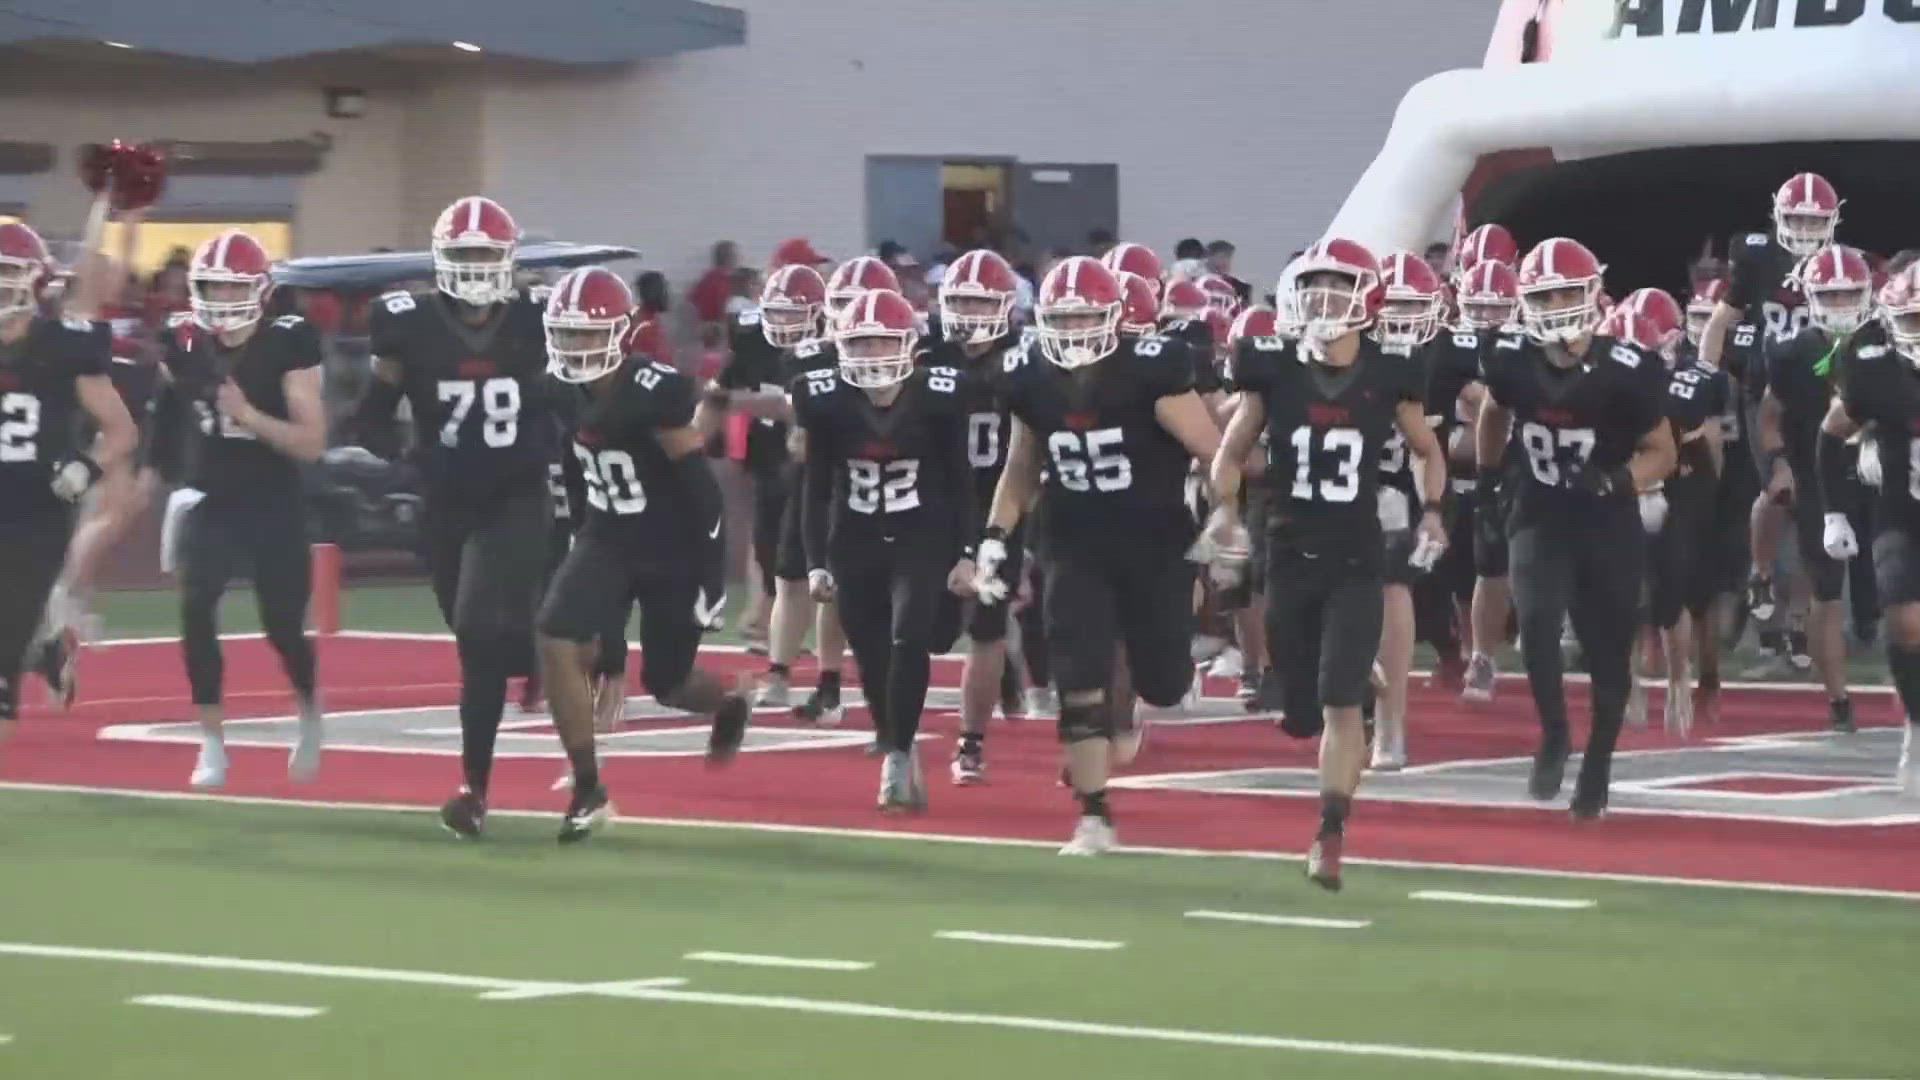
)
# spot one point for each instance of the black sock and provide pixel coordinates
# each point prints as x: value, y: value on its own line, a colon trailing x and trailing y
x: 483, y: 697
x: 971, y: 740
x: 1903, y: 664
x: 1333, y: 813
x: 777, y: 670
x: 830, y: 685
x: 1094, y: 804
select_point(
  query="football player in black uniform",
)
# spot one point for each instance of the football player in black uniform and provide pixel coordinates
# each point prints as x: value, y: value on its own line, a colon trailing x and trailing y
x: 1574, y: 426
x: 1715, y: 598
x: 1489, y: 298
x: 974, y: 333
x: 888, y: 503
x: 1405, y: 325
x: 1330, y: 403
x: 240, y: 412
x: 1116, y: 425
x: 652, y: 536
x: 1879, y: 376
x: 1765, y: 293
x: 1838, y: 286
x: 470, y: 362
x: 51, y: 370
x: 1183, y: 315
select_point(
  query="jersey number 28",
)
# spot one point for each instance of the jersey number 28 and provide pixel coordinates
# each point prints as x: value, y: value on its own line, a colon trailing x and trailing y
x: 499, y: 403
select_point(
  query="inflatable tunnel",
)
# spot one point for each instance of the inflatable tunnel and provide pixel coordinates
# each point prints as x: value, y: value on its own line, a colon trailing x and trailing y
x: 1654, y: 129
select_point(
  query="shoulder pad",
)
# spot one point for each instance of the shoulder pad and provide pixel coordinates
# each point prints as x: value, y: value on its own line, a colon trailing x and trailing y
x: 181, y: 318
x: 289, y: 322
x: 1625, y: 354
x: 809, y: 347
x: 1870, y: 352
x: 1177, y: 326
x: 1510, y: 341
x: 749, y: 317
x: 1758, y: 239
x: 1270, y: 343
x: 398, y: 302
x: 78, y: 326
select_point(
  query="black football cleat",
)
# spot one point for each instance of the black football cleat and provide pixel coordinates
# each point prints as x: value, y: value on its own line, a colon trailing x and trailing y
x: 56, y: 663
x: 1549, y: 772
x: 729, y: 729
x: 1585, y: 807
x: 587, y: 810
x: 464, y: 815
x: 1840, y: 716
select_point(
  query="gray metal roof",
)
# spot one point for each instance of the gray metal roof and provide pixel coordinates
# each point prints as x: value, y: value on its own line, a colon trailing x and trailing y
x: 255, y: 31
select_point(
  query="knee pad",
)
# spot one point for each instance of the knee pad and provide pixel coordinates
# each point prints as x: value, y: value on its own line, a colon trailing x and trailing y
x: 1085, y: 720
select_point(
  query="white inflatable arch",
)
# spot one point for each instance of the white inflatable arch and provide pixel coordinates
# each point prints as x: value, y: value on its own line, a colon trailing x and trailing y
x: 1793, y: 81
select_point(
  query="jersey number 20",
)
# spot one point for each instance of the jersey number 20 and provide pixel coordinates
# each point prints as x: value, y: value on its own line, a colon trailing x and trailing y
x: 499, y: 403
x: 19, y: 426
x: 613, y: 484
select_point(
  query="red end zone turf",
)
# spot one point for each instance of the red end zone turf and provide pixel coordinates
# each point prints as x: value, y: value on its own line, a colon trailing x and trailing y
x: 142, y: 682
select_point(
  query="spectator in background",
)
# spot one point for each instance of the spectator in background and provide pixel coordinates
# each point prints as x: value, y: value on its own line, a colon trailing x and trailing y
x: 745, y: 282
x: 1220, y: 261
x: 709, y: 295
x: 647, y: 336
x: 1437, y: 256
x: 937, y: 272
x: 1189, y: 259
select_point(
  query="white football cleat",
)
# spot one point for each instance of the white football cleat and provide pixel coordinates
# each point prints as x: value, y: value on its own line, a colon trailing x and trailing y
x: 210, y: 769
x: 1092, y: 836
x: 773, y: 693
x: 1228, y: 665
x: 304, y: 763
x: 1389, y: 745
x: 1679, y: 712
x: 1637, y: 705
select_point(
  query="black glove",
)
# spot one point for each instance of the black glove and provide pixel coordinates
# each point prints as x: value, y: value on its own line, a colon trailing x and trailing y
x: 1588, y: 480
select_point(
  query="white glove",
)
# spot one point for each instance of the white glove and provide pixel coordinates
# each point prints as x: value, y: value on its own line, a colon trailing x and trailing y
x: 1868, y: 468
x: 1838, y: 538
x: 1426, y: 551
x: 1653, y: 511
x: 1225, y: 551
x: 820, y: 585
x: 72, y: 478
x: 988, y: 589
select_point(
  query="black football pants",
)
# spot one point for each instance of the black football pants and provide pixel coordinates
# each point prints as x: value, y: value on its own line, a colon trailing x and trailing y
x: 890, y: 592
x: 34, y: 549
x: 218, y: 540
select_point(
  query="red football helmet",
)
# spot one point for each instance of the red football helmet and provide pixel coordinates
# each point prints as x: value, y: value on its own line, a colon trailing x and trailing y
x: 1806, y: 210
x: 876, y: 333
x: 1183, y: 300
x: 227, y: 282
x: 790, y: 305
x: 1559, y: 286
x: 1135, y: 259
x: 1489, y: 242
x: 1255, y: 321
x: 473, y: 244
x: 1139, y: 310
x: 976, y: 296
x: 1900, y: 312
x: 1839, y: 288
x: 1077, y: 312
x: 855, y: 276
x: 1221, y: 295
x: 1336, y: 288
x: 587, y: 318
x: 1221, y: 328
x: 1623, y: 324
x: 25, y: 268
x: 1489, y: 296
x: 1410, y: 302
x: 1658, y: 308
x: 1706, y: 296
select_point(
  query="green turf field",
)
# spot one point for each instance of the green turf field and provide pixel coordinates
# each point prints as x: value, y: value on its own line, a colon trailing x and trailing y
x: 1700, y: 982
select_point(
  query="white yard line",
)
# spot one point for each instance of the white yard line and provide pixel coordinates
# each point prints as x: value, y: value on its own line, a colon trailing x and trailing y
x: 984, y: 938
x: 623, y: 986
x: 221, y: 1005
x: 1498, y: 900
x: 1309, y: 921
x: 759, y: 960
x: 982, y: 841
x: 649, y: 990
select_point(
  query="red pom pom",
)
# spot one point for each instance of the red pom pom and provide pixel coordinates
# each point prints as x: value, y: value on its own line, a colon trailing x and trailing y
x: 139, y: 176
x: 96, y: 165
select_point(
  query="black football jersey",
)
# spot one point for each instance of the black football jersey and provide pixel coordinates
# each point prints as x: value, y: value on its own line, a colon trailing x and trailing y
x: 1696, y: 394
x: 1112, y: 473
x: 889, y: 471
x: 1453, y: 361
x: 985, y: 407
x: 40, y: 408
x: 1765, y: 286
x: 1802, y: 374
x: 1197, y: 335
x: 631, y: 491
x: 479, y: 395
x: 224, y: 460
x: 754, y: 363
x: 1593, y: 415
x: 1879, y: 387
x: 1328, y: 428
